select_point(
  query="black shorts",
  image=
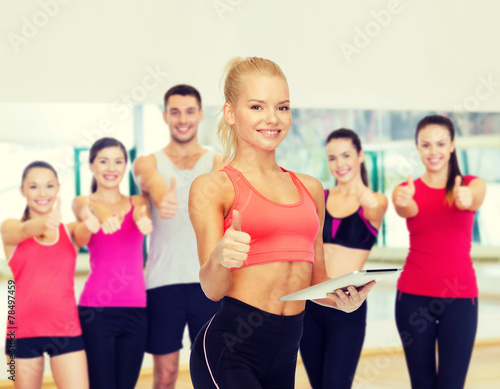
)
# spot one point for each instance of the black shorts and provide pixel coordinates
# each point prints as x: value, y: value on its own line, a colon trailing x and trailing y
x: 170, y: 308
x: 37, y: 346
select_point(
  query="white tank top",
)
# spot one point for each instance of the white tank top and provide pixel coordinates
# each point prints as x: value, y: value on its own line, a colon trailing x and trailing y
x: 173, y: 254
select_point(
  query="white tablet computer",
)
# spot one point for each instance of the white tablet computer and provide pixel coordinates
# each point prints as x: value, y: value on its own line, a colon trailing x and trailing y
x: 356, y: 278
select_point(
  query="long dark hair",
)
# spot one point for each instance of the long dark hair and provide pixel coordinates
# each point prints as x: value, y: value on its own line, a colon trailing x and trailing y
x: 344, y: 133
x: 100, y: 144
x: 32, y: 165
x: 453, y: 168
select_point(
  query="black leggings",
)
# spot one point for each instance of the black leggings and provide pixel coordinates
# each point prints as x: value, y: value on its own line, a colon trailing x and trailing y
x: 244, y: 347
x: 331, y: 345
x: 451, y: 322
x: 115, y: 340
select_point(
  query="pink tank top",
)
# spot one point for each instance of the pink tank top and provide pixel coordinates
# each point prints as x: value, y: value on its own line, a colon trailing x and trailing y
x: 279, y: 232
x: 116, y: 278
x: 45, y: 303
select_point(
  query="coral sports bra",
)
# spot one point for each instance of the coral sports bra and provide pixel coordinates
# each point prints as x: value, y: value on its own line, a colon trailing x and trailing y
x: 279, y: 232
x: 353, y: 231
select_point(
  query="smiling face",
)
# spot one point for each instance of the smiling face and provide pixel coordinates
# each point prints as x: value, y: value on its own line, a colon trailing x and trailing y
x: 109, y: 167
x: 435, y: 147
x: 344, y: 161
x: 261, y: 116
x: 40, y: 187
x: 183, y: 115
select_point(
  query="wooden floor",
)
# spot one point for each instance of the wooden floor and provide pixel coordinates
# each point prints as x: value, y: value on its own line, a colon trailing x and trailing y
x: 388, y: 371
x: 377, y: 371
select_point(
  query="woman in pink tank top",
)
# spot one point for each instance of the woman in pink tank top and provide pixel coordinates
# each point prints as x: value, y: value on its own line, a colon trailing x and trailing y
x: 42, y: 316
x: 112, y: 306
x: 259, y: 233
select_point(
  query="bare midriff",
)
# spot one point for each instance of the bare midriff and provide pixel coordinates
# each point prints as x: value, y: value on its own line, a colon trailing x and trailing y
x: 340, y: 260
x: 262, y: 285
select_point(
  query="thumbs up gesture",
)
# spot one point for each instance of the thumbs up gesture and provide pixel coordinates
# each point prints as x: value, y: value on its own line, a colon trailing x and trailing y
x: 461, y: 194
x: 113, y: 223
x: 143, y: 222
x: 405, y: 194
x: 366, y: 198
x: 89, y: 219
x: 235, y: 244
x: 169, y: 203
x: 55, y: 216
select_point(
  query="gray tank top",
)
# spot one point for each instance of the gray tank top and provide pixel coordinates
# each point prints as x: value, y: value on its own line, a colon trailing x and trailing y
x: 173, y: 254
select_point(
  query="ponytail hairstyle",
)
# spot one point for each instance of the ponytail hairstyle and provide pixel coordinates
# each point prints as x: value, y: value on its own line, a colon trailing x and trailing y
x: 236, y: 70
x: 33, y: 165
x: 100, y: 144
x: 453, y: 168
x: 344, y: 133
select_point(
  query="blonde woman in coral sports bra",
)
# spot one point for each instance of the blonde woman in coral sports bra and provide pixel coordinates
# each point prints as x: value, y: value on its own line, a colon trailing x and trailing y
x: 258, y: 229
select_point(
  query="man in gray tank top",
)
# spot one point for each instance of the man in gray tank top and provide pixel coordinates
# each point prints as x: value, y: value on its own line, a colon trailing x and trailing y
x: 174, y: 295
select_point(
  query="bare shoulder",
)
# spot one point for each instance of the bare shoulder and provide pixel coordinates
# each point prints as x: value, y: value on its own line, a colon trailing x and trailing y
x: 312, y: 184
x: 214, y: 182
x: 211, y: 189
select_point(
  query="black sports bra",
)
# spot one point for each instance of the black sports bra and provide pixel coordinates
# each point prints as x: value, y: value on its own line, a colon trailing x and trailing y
x: 353, y: 231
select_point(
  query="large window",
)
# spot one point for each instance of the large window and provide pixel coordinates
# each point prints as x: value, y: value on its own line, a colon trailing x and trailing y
x: 62, y: 134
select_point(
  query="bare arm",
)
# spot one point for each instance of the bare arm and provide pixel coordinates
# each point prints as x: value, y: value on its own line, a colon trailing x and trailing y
x: 374, y: 205
x: 141, y: 215
x: 217, y: 251
x: 342, y: 301
x: 15, y: 231
x: 471, y: 197
x: 80, y: 233
x: 151, y: 182
x: 87, y: 224
x: 148, y: 179
x: 402, y: 197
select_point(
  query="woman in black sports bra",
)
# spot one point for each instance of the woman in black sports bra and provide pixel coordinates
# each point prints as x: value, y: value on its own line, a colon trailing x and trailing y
x: 332, y: 340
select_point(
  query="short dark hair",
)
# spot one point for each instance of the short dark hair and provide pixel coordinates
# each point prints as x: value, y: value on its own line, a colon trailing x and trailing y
x: 183, y: 90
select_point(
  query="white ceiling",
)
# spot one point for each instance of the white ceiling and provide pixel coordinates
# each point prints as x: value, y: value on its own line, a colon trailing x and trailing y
x: 423, y: 55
